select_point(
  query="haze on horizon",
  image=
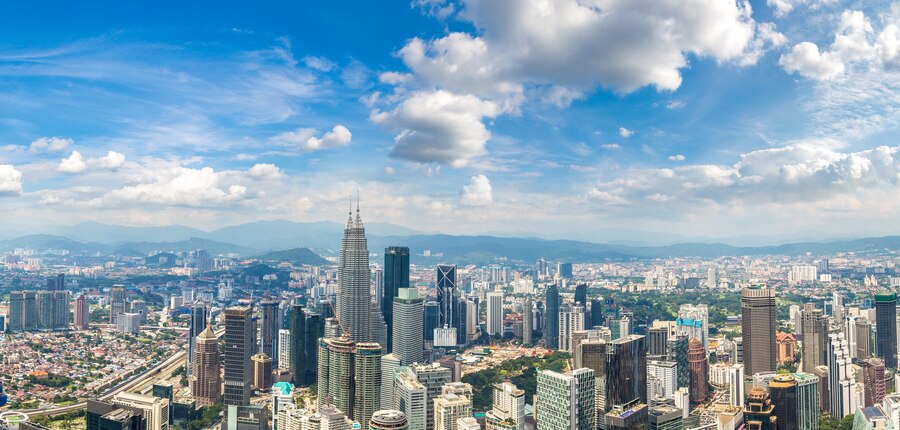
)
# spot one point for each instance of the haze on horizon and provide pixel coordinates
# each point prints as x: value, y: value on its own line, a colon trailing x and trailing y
x: 768, y: 118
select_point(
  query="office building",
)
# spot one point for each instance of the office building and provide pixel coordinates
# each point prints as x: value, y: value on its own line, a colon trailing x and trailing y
x: 596, y: 312
x: 697, y: 362
x: 388, y: 420
x: 155, y: 410
x: 354, y: 296
x: 116, y: 302
x: 783, y: 393
x: 446, y: 293
x: 82, y: 314
x: 759, y: 414
x: 411, y: 398
x: 551, y: 315
x: 396, y: 277
x: 565, y: 401
x: 886, y: 328
x: 433, y: 377
x: 527, y: 321
x: 842, y: 386
x: 693, y: 321
x: 349, y: 375
x: 657, y: 343
x: 206, y: 379
x: 494, y: 313
x: 129, y: 323
x: 581, y: 295
x: 626, y: 373
x: 432, y: 321
x: 665, y: 417
x: 678, y: 352
x: 449, y: 408
x: 140, y: 307
x: 564, y: 270
x: 807, y: 401
x: 306, y: 327
x: 262, y: 371
x: 470, y: 423
x: 863, y: 335
x: 814, y: 326
x: 758, y: 326
x: 390, y: 363
x: 408, y: 313
x: 873, y: 380
x: 268, y: 329
x: 238, y: 335
x: 284, y: 349
x: 199, y: 322
x: 508, y: 411
x: 571, y: 320
x: 666, y: 375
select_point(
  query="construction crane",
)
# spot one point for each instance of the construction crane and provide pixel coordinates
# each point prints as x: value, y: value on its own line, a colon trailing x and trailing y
x: 344, y: 331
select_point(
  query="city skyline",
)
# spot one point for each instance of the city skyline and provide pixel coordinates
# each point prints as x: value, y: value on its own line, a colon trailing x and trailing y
x: 741, y: 117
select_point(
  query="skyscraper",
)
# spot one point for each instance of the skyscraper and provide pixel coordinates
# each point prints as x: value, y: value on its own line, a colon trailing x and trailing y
x: 596, y: 312
x: 82, y: 313
x: 693, y: 320
x: 565, y: 401
x: 814, y: 332
x: 699, y: 371
x: 783, y: 392
x: 551, y: 327
x: 349, y: 375
x: 411, y: 398
x: 446, y: 293
x: 448, y: 408
x: 354, y: 295
x: 116, y: 302
x: 433, y: 377
x: 432, y: 320
x: 284, y: 349
x: 842, y: 392
x: 238, y: 328
x: 306, y: 327
x: 408, y: 314
x: 581, y: 295
x: 527, y: 323
x: 678, y: 352
x: 657, y: 343
x: 873, y: 380
x: 396, y: 276
x: 206, y: 380
x: 807, y: 401
x: 508, y: 411
x: 199, y: 322
x: 571, y: 320
x: 758, y: 329
x: 388, y: 420
x: 268, y: 329
x: 494, y: 313
x: 886, y: 328
x: 626, y: 371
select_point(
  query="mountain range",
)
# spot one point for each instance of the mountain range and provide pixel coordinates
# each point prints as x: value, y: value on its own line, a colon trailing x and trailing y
x: 262, y: 238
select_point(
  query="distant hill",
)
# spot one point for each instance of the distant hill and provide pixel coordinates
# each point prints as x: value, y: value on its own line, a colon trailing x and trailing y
x: 191, y: 244
x: 163, y: 259
x: 105, y: 233
x: 44, y: 242
x: 296, y: 256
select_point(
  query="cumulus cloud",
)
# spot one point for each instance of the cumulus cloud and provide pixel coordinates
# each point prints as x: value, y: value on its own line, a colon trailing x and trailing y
x: 304, y: 139
x: 784, y: 7
x: 808, y: 171
x: 10, y: 180
x: 49, y: 144
x: 477, y: 193
x: 516, y: 53
x: 439, y: 127
x: 624, y: 132
x: 676, y: 157
x: 265, y: 171
x: 855, y: 42
x: 76, y: 163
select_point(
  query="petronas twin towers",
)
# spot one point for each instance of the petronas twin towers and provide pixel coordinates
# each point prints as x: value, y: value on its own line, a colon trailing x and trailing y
x: 354, y: 296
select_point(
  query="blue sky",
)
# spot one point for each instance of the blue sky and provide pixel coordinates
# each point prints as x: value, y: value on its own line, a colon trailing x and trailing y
x: 562, y: 118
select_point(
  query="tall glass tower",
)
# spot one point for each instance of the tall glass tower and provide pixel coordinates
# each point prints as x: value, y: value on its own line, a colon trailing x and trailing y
x: 396, y: 276
x: 886, y: 328
x: 446, y: 293
x: 551, y: 328
x: 354, y: 296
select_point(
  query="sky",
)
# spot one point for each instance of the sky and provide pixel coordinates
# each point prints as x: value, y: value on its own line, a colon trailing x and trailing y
x: 557, y: 118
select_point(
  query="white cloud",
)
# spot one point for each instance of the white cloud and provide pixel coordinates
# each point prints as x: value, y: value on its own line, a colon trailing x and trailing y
x: 76, y: 163
x: 784, y: 7
x: 439, y: 127
x: 676, y: 157
x: 804, y: 172
x: 477, y: 193
x: 321, y: 64
x: 265, y: 171
x: 855, y: 42
x: 49, y: 144
x: 624, y: 132
x: 610, y: 146
x: 558, y: 51
x: 180, y: 186
x: 10, y: 180
x: 304, y: 139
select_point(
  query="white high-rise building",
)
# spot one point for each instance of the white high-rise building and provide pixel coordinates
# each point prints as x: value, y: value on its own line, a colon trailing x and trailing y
x: 666, y: 372
x: 571, y: 319
x: 389, y: 365
x: 494, y: 313
x: 508, y: 411
x: 711, y: 278
x: 693, y: 321
x: 449, y: 408
x: 408, y: 333
x: 284, y: 349
x: 565, y: 401
x: 411, y: 398
x: 842, y: 382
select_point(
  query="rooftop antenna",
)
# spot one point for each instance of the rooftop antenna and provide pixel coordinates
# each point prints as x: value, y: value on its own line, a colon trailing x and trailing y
x: 357, y: 201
